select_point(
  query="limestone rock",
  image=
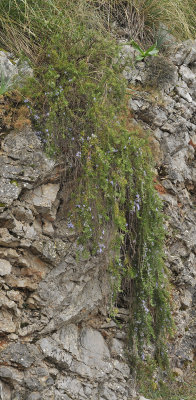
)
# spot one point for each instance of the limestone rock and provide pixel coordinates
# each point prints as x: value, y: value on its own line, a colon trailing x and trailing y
x: 20, y: 354
x: 142, y: 398
x: 5, y: 267
x: 186, y: 300
x: 8, y: 192
x: 57, y: 342
x: 8, y: 70
x: 5, y: 391
x: 186, y: 53
x: 7, y: 325
x: 187, y: 75
x: 44, y: 196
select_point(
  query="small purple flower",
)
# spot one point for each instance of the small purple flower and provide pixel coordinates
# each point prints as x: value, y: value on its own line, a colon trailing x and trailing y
x: 101, y: 247
x: 26, y: 101
x: 70, y: 225
x: 144, y: 306
x: 100, y: 251
x: 38, y: 134
x: 78, y: 154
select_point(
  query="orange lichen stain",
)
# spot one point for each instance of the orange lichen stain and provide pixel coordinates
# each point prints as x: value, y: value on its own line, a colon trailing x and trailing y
x: 192, y: 144
x: 37, y: 275
x: 160, y: 189
x: 3, y: 343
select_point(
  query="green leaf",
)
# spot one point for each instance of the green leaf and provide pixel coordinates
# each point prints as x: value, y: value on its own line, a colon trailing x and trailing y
x: 153, y: 52
x: 140, y: 58
x: 137, y: 47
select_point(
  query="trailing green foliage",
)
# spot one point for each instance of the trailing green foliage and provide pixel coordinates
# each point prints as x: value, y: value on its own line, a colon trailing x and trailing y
x: 78, y: 101
x: 155, y: 384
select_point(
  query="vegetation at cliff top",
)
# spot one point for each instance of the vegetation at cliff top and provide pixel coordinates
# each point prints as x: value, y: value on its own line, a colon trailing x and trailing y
x: 78, y: 102
x: 140, y: 19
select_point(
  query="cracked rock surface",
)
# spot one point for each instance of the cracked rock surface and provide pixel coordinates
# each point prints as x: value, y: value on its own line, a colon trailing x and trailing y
x: 166, y: 106
x: 56, y: 341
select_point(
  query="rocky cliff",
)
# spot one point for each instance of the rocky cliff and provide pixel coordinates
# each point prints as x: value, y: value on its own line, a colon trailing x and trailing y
x: 56, y: 339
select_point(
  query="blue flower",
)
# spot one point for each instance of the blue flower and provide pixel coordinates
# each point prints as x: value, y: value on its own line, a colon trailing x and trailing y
x: 70, y: 225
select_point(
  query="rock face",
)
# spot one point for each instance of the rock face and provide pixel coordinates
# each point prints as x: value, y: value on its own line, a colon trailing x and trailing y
x: 11, y: 73
x: 56, y: 341
x: 164, y: 102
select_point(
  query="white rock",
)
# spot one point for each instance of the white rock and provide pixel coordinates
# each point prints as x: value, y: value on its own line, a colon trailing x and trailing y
x: 187, y: 75
x: 142, y: 398
x: 183, y: 92
x: 43, y: 199
x: 5, y: 267
x: 7, y: 69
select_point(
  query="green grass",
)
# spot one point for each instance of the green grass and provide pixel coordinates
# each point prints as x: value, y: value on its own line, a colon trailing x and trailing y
x: 142, y: 18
